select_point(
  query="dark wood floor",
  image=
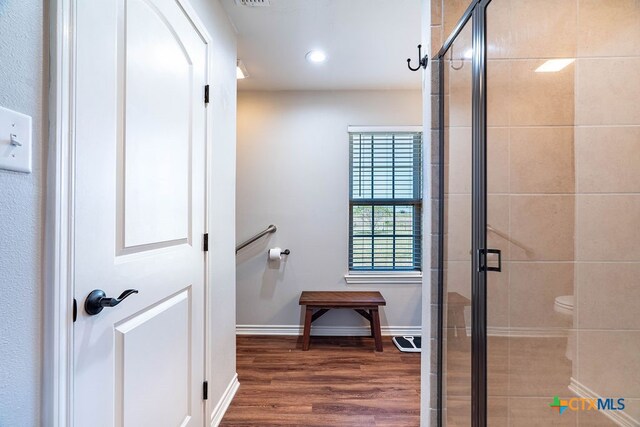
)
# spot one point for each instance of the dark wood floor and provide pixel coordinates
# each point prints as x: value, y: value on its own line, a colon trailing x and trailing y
x: 339, y: 382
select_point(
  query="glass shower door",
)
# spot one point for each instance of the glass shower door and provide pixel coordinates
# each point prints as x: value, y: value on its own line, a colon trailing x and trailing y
x: 540, y: 156
x: 456, y: 245
x: 563, y: 155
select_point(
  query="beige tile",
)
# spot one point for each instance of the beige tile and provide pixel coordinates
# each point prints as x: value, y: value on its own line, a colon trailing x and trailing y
x: 533, y: 288
x: 538, y: 367
x: 498, y: 220
x: 452, y: 11
x: 457, y: 239
x: 594, y: 419
x: 497, y: 160
x: 497, y: 367
x: 458, y: 412
x: 543, y: 29
x: 608, y: 28
x: 498, y: 30
x: 609, y: 361
x: 498, y: 298
x: 608, y: 228
x: 542, y: 160
x: 607, y: 91
x: 436, y: 12
x: 541, y: 99
x: 535, y: 412
x: 498, y: 99
x: 459, y: 84
x: 544, y: 225
x: 497, y: 411
x: 458, y: 161
x: 633, y: 409
x: 608, y: 159
x: 608, y: 295
x: 457, y: 279
x: 458, y: 370
x: 436, y: 40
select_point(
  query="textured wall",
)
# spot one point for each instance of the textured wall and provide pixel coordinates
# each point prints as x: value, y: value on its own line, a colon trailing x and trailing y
x: 293, y: 171
x: 23, y: 62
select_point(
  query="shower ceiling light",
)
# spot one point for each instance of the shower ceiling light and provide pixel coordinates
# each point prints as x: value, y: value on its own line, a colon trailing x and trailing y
x: 553, y: 65
x: 316, y: 56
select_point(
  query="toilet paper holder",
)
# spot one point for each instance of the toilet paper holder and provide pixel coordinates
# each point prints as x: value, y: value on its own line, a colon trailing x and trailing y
x: 275, y: 254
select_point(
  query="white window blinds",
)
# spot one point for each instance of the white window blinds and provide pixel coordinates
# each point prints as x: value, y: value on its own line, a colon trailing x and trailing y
x: 385, y: 201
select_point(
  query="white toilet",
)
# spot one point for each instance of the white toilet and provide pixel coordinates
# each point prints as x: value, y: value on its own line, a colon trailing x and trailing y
x: 564, y: 306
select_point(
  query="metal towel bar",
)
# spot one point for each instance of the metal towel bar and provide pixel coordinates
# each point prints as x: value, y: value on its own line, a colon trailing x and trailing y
x: 270, y: 229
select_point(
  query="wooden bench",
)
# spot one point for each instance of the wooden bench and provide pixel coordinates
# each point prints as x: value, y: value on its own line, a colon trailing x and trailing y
x: 364, y: 303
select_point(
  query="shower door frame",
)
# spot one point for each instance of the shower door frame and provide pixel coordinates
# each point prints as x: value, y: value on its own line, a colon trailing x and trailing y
x: 476, y: 12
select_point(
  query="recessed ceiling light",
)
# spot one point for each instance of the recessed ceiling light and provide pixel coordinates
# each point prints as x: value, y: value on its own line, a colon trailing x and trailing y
x: 241, y: 71
x: 553, y: 65
x: 316, y: 56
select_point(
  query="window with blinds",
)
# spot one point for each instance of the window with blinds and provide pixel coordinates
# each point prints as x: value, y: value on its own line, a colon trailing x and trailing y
x: 385, y: 201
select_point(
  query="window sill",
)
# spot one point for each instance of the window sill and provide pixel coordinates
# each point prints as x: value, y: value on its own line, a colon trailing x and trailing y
x: 356, y: 278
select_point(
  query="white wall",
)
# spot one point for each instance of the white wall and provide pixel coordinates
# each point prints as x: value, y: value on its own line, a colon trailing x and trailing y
x: 293, y: 171
x: 23, y: 65
x: 222, y: 273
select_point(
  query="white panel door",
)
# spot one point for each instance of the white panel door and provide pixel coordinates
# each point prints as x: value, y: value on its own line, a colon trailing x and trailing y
x: 140, y: 214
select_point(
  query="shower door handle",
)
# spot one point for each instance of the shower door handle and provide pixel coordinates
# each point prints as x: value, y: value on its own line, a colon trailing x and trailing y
x: 483, y: 262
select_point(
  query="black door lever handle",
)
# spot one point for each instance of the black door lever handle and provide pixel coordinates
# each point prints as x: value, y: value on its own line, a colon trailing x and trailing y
x: 97, y: 300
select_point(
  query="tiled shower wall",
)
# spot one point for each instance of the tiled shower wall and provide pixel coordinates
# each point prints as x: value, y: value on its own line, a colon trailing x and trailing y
x: 607, y: 156
x: 564, y: 184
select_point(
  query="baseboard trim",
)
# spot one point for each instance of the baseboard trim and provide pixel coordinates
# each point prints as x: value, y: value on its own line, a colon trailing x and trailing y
x: 325, y: 330
x: 223, y: 404
x: 619, y: 417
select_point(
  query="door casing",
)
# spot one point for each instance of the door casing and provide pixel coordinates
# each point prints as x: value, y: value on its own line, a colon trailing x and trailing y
x: 58, y: 373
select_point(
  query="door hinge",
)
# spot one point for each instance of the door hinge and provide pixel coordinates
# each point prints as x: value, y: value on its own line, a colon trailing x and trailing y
x: 205, y: 390
x: 205, y: 244
x: 206, y: 94
x: 75, y: 310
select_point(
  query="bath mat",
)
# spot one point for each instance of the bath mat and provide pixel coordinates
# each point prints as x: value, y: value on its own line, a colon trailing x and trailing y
x: 408, y: 344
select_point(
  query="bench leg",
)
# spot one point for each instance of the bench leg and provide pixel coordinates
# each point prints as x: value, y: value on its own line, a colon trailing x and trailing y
x: 375, y: 326
x: 306, y: 338
x: 371, y: 323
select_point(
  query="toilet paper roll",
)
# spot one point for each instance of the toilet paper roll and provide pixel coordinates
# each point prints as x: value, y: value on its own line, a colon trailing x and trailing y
x: 275, y: 254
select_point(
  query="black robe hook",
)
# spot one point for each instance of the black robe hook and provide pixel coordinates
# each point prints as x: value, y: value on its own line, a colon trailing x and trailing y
x: 423, y: 60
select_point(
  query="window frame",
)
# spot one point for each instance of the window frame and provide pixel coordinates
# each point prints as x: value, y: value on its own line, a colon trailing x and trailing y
x: 383, y: 276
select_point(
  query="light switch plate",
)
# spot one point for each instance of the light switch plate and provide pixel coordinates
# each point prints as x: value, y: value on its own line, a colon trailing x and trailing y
x: 15, y: 156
